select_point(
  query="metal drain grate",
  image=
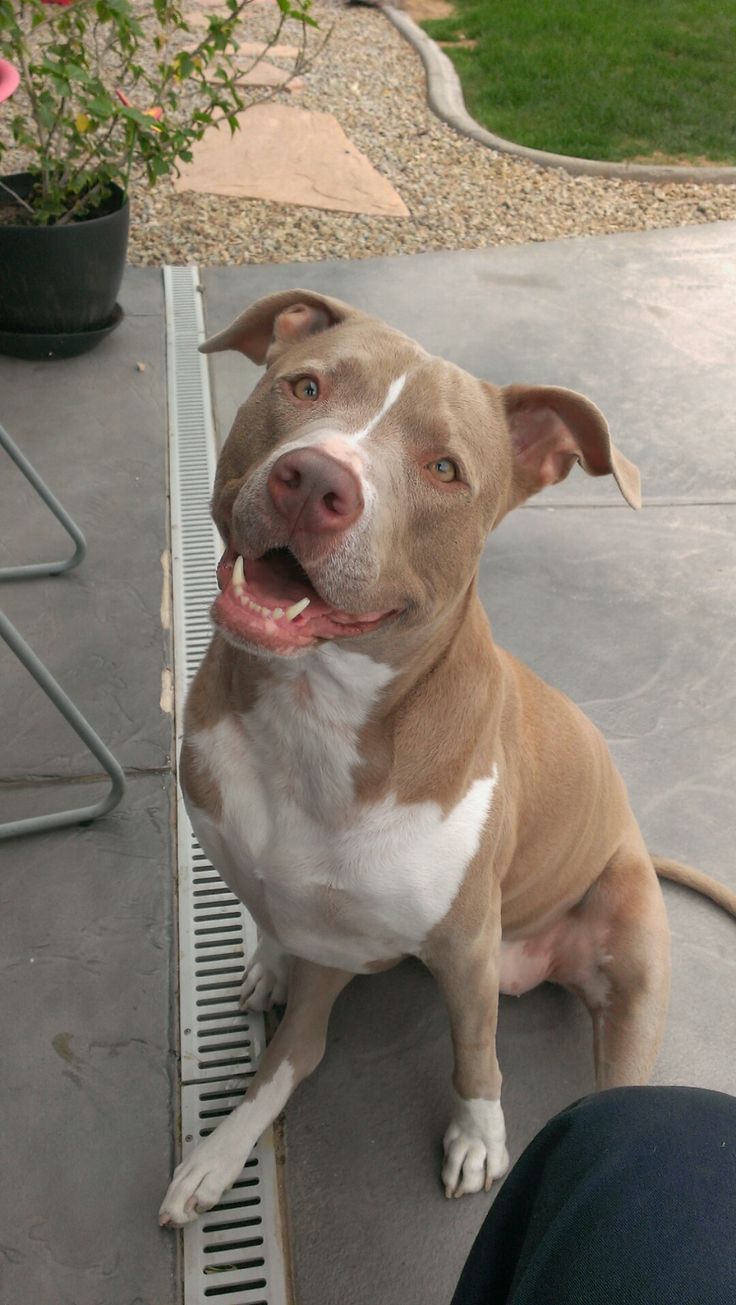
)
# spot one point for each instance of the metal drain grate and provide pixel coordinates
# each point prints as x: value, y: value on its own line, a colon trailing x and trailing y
x: 234, y: 1254
x: 216, y: 934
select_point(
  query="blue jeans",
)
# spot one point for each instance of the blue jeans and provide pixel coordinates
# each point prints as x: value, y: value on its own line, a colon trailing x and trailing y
x: 625, y: 1198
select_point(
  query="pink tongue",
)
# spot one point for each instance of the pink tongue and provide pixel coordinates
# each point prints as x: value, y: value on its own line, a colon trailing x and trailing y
x: 346, y: 618
x: 267, y: 586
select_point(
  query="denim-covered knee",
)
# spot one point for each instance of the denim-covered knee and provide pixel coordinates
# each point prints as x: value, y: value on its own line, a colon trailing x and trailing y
x: 622, y: 1111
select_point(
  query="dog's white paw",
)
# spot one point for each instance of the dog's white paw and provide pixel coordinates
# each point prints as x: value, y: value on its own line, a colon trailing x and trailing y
x: 266, y: 979
x: 200, y: 1180
x: 475, y: 1147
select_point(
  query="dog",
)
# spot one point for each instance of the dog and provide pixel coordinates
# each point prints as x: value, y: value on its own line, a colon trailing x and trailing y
x: 369, y: 773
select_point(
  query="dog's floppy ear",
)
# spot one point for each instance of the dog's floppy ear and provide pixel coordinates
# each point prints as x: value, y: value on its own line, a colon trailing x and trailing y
x: 551, y: 429
x: 270, y: 325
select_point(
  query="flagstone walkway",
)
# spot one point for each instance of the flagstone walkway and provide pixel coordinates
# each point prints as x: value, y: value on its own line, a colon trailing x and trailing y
x: 290, y: 156
x: 284, y: 154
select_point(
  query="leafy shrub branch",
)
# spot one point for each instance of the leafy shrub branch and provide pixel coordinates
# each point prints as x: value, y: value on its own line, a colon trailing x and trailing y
x: 109, y: 90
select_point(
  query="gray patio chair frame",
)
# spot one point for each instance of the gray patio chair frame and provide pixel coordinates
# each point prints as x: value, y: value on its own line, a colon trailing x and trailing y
x: 43, y: 677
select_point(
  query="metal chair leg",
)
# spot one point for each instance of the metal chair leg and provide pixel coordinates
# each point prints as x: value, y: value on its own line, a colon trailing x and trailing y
x: 43, y: 677
x: 60, y: 512
x: 64, y: 704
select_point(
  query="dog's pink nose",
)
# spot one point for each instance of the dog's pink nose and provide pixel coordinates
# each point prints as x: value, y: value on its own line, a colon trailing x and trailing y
x: 313, y: 491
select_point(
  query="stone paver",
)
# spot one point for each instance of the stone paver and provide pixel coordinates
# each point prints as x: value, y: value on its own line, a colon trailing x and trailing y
x: 290, y: 156
x: 260, y: 47
x: 281, y: 155
x: 210, y: 7
x: 200, y: 17
x: 263, y: 73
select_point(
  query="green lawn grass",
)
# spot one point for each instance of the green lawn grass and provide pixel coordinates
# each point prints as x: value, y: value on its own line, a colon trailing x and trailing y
x: 610, y: 79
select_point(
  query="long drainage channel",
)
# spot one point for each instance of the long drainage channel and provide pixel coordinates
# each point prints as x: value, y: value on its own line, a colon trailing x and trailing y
x: 234, y: 1254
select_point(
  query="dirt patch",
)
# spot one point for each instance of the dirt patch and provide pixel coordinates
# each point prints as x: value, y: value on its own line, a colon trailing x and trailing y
x: 463, y: 44
x: 424, y: 10
x: 681, y: 160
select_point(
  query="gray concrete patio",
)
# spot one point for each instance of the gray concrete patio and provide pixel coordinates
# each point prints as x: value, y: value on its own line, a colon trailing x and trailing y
x: 632, y: 615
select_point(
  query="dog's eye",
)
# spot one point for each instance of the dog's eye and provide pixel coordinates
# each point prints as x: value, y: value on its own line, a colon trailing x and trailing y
x: 305, y: 388
x: 444, y: 469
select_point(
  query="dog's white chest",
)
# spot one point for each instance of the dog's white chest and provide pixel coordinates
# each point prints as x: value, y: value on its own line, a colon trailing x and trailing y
x: 339, y: 882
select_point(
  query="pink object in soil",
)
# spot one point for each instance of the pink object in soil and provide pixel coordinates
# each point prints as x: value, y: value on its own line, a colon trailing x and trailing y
x: 9, y: 79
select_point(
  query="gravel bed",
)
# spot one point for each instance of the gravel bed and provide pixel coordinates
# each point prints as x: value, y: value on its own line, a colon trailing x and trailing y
x: 460, y: 194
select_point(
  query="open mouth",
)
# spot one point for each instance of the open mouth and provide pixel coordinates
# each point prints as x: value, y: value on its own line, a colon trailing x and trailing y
x: 270, y: 601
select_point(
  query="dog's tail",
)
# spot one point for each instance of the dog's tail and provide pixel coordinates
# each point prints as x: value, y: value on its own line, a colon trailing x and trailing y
x: 697, y: 880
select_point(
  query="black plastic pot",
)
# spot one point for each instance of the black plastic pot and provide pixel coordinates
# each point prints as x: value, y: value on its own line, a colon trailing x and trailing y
x: 61, y: 280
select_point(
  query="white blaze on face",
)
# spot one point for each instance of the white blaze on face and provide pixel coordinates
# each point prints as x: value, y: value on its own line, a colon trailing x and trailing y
x: 392, y: 395
x: 339, y: 444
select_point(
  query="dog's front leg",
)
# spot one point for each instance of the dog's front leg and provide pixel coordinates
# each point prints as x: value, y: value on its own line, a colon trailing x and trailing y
x: 266, y: 979
x: 296, y: 1049
x: 467, y: 970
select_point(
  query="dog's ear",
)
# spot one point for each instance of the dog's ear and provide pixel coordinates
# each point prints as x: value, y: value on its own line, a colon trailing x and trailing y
x: 553, y: 428
x: 270, y: 325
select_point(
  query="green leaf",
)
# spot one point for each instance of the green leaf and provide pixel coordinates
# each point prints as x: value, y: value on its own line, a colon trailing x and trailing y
x: 75, y: 73
x: 46, y: 114
x: 184, y: 64
x: 102, y: 109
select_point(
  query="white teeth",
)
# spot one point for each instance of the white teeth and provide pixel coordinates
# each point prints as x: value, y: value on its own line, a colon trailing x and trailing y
x: 292, y: 612
x: 245, y: 601
x: 238, y: 583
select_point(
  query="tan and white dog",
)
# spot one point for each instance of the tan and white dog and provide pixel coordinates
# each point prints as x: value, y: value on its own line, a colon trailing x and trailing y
x: 368, y: 772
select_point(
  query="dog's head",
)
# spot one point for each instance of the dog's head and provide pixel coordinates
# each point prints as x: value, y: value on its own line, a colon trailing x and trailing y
x: 363, y: 475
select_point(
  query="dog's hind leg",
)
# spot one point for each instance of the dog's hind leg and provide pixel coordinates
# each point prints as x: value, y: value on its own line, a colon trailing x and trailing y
x: 296, y: 1049
x: 627, y: 990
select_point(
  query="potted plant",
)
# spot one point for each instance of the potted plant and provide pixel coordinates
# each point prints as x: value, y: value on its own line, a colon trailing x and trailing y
x: 107, y: 91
